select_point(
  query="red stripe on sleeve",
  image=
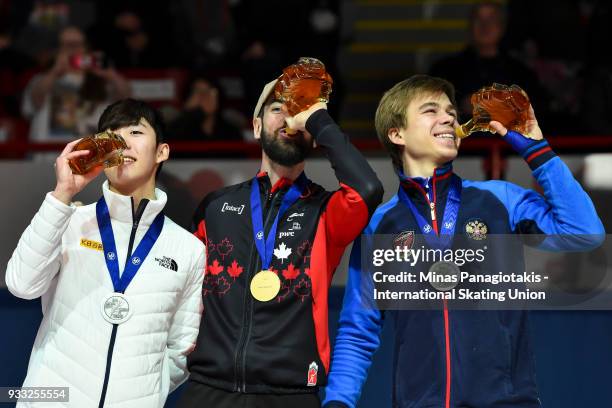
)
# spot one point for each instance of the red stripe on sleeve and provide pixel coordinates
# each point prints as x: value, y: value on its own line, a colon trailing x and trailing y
x: 538, y: 153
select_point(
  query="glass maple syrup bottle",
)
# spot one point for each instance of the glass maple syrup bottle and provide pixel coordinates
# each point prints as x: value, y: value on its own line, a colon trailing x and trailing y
x: 302, y: 85
x: 508, y: 105
x: 105, y: 149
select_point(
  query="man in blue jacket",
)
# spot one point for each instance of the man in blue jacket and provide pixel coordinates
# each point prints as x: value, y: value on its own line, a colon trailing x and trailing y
x: 448, y: 357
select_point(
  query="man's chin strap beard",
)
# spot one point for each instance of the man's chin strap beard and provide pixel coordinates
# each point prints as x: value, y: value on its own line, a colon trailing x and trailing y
x: 284, y: 158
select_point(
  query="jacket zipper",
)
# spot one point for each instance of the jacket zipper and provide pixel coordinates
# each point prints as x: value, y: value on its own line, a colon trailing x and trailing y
x: 109, y: 356
x: 245, y: 334
x: 447, y: 390
x: 431, y: 200
x: 432, y: 203
x: 448, y: 355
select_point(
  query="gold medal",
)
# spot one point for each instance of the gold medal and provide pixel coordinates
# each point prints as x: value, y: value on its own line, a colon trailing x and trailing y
x: 265, y: 285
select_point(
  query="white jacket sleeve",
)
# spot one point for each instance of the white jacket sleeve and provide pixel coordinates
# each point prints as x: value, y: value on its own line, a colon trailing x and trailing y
x: 36, y: 260
x: 186, y: 323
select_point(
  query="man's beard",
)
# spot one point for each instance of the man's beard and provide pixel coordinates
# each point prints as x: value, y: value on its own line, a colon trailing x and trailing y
x: 286, y: 152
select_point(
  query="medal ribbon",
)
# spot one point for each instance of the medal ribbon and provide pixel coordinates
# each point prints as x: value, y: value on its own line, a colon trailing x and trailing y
x: 265, y: 245
x: 132, y: 265
x: 449, y: 220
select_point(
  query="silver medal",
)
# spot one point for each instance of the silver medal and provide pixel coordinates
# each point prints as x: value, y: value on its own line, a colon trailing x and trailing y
x: 116, y: 308
x: 446, y: 275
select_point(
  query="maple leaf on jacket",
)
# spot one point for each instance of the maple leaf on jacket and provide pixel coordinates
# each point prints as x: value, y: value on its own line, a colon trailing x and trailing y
x: 291, y: 272
x: 210, y: 246
x: 222, y: 286
x: 302, y: 289
x: 209, y: 284
x: 215, y: 268
x: 304, y: 250
x: 234, y: 270
x: 282, y: 252
x: 284, y: 291
x: 224, y: 248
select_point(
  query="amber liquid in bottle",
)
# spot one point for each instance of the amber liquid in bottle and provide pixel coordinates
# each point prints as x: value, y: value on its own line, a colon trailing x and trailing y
x: 303, y: 84
x: 508, y: 105
x: 105, y: 149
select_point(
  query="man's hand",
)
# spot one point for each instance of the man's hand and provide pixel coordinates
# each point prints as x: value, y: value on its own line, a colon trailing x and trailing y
x: 69, y: 184
x: 298, y: 122
x: 521, y: 143
x: 533, y: 130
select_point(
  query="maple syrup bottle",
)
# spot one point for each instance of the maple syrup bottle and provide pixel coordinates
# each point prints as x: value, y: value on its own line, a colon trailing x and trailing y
x: 508, y: 105
x: 303, y: 84
x: 105, y: 149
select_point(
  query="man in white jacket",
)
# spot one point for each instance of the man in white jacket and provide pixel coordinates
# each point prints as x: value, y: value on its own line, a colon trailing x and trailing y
x: 120, y: 282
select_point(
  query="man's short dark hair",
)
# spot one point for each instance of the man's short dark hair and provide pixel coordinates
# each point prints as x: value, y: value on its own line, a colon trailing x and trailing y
x: 129, y: 112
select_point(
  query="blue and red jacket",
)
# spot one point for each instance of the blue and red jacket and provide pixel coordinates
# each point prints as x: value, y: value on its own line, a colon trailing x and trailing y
x: 460, y: 358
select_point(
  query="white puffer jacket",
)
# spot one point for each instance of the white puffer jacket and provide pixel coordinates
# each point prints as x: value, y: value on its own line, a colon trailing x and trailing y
x: 59, y: 257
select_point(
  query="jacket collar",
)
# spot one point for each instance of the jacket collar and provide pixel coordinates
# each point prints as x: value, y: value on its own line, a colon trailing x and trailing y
x: 427, y: 190
x: 120, y: 206
x: 282, y: 184
x: 441, y: 172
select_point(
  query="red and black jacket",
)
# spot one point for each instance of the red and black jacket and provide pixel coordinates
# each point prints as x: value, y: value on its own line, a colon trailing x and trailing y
x: 280, y: 346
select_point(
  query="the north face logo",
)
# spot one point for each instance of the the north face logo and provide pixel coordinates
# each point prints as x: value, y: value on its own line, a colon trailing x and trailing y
x: 167, y: 262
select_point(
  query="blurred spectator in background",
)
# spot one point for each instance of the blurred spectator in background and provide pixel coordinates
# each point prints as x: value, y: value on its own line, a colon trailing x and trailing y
x: 484, y: 61
x: 276, y: 33
x: 553, y: 42
x: 37, y: 24
x: 202, y: 118
x: 136, y: 34
x: 323, y: 43
x: 66, y: 101
x: 261, y: 45
x: 131, y: 45
x: 207, y: 32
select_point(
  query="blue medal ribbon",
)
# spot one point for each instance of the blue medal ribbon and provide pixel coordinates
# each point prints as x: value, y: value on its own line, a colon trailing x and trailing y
x: 449, y: 220
x: 132, y: 264
x: 265, y: 245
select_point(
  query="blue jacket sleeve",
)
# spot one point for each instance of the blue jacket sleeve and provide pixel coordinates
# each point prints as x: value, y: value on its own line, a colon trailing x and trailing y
x: 566, y: 214
x: 358, y: 335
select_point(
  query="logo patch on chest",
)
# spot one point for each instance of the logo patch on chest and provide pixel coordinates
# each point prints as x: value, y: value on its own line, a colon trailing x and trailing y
x: 476, y: 229
x: 95, y: 245
x: 404, y: 239
x: 282, y: 252
x: 167, y: 262
x: 238, y: 209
